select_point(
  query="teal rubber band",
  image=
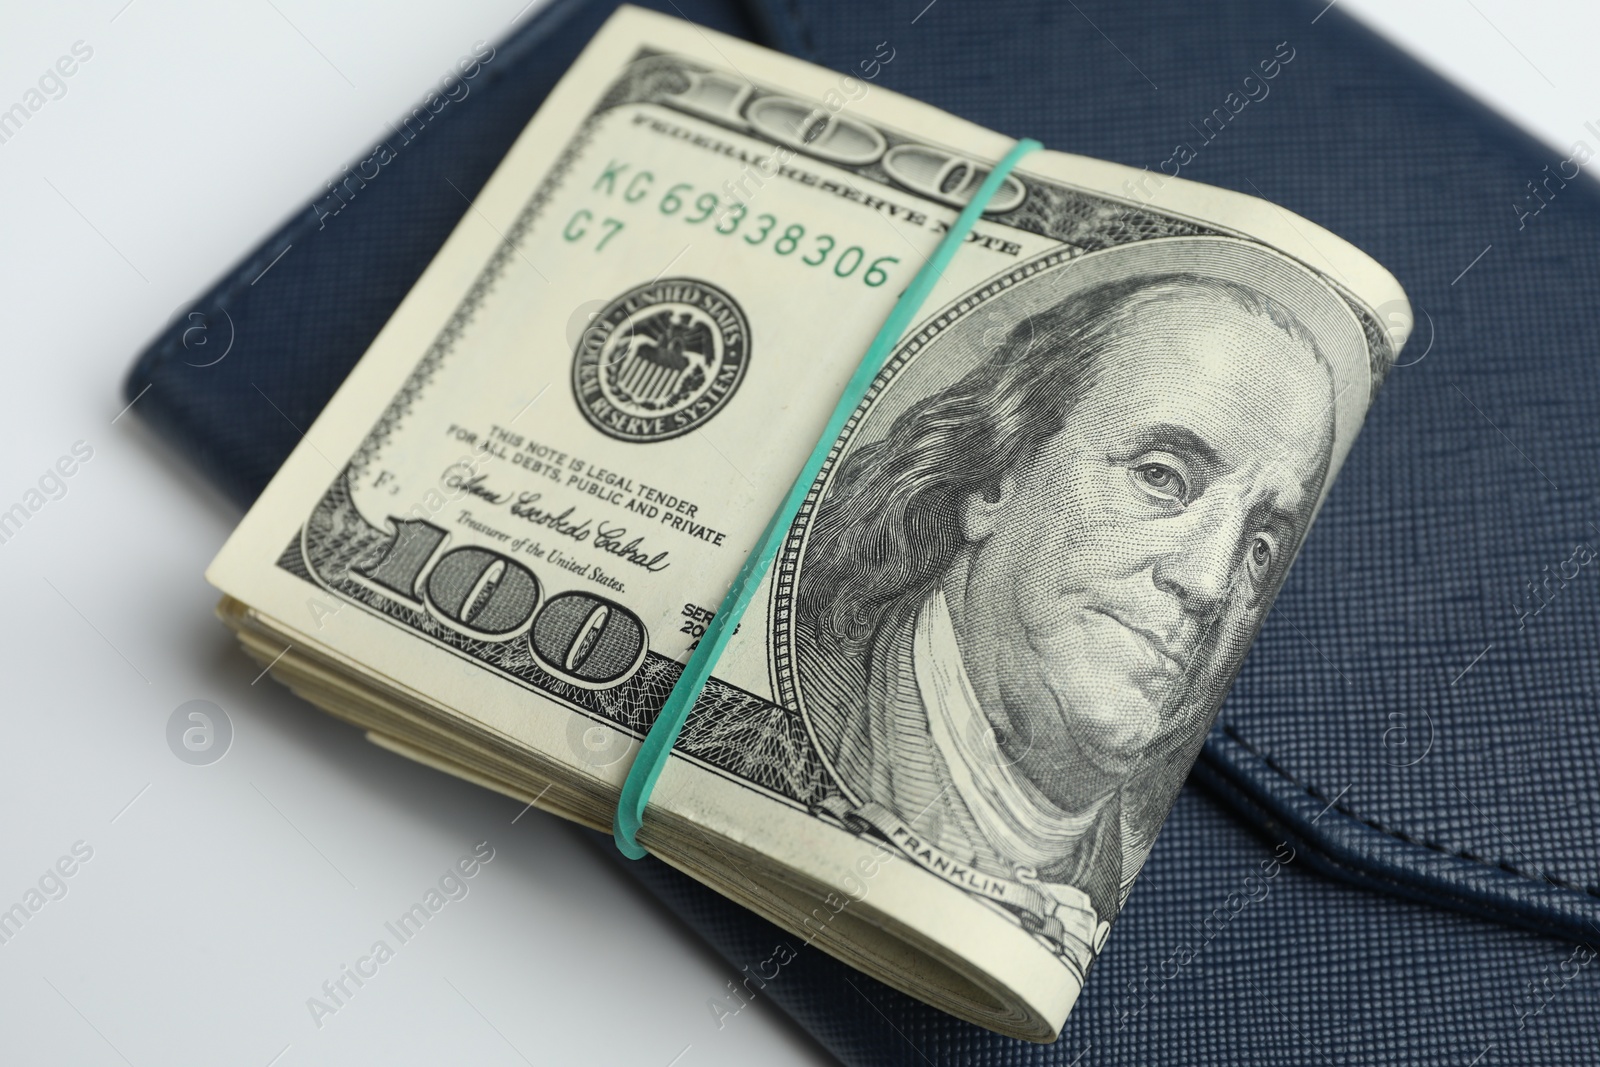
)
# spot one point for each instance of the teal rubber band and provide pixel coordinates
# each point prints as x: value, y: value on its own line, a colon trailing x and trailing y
x: 651, y: 759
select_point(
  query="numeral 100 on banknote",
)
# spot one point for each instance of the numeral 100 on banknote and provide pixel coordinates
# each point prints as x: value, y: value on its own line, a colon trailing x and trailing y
x: 579, y: 637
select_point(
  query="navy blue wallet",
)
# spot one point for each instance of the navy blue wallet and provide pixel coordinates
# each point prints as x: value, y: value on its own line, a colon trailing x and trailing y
x: 1389, y: 851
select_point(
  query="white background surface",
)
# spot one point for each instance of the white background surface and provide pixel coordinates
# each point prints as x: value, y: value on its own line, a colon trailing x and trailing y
x: 220, y: 898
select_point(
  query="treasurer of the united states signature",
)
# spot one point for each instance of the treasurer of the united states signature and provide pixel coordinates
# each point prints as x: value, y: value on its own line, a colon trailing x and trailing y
x: 528, y: 506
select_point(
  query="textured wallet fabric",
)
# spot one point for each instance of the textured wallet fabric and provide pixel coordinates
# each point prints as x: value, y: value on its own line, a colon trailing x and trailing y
x: 1419, y: 717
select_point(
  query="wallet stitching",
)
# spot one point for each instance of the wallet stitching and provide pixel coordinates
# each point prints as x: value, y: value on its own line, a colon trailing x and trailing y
x: 1411, y: 839
x: 1364, y: 875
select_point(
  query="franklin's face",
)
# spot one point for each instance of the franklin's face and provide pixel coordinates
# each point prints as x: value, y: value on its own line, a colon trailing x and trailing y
x: 1128, y: 561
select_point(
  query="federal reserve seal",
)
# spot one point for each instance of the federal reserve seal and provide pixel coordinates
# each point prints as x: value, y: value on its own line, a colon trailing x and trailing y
x: 660, y: 360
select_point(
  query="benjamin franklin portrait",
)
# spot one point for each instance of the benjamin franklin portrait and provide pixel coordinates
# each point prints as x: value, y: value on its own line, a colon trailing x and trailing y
x: 1024, y: 593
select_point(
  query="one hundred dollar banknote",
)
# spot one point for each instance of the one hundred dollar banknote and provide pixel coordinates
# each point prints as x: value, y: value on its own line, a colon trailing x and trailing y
x: 945, y: 735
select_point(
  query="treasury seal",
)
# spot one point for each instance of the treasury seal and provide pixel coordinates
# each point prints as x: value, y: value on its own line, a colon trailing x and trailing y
x: 660, y: 360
